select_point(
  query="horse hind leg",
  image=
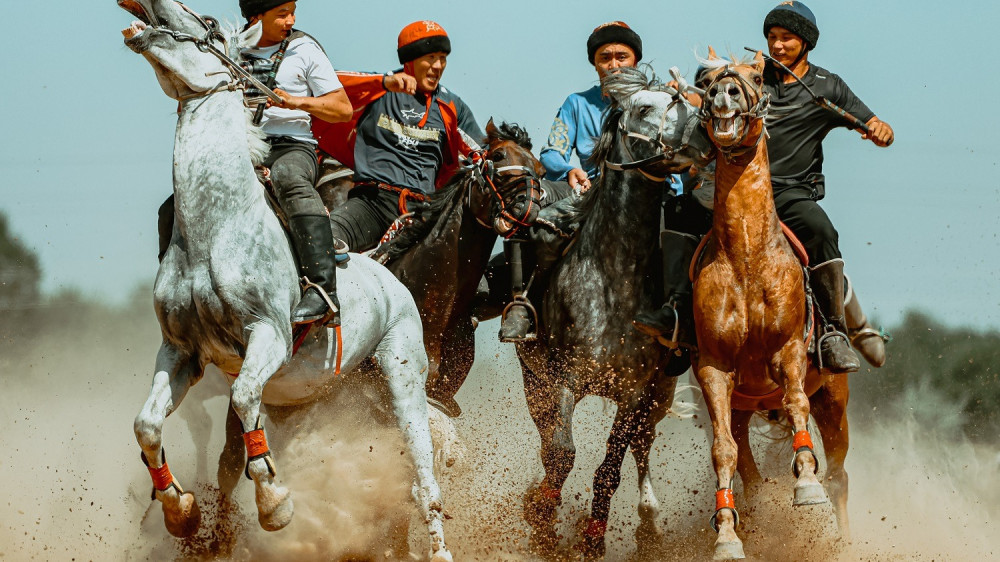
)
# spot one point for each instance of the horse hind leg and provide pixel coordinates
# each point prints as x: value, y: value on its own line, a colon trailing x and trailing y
x: 830, y: 412
x: 551, y: 408
x: 745, y: 464
x: 404, y: 364
x: 266, y: 351
x: 174, y: 376
x: 649, y: 534
x: 231, y: 459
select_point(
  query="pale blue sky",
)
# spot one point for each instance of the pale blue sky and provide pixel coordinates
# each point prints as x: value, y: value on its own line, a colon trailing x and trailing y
x: 87, y: 132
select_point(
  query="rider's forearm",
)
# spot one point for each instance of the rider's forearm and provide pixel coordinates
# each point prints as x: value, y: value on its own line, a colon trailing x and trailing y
x: 333, y: 107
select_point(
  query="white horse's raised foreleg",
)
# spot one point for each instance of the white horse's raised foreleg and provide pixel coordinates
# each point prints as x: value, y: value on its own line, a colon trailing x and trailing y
x: 403, y: 360
x: 175, y: 373
x: 266, y: 352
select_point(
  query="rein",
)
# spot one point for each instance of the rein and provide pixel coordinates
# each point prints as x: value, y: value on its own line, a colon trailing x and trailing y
x: 663, y: 150
x: 240, y: 77
x: 485, y: 174
x: 757, y: 111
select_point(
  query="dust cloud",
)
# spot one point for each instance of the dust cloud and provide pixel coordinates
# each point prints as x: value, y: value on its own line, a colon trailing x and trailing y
x: 76, y: 489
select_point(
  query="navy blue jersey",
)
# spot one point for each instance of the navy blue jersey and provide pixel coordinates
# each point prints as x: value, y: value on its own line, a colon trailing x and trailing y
x: 398, y: 143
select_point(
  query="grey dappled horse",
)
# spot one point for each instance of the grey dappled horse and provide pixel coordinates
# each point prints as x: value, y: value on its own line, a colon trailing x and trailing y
x: 228, y: 282
x: 587, y: 344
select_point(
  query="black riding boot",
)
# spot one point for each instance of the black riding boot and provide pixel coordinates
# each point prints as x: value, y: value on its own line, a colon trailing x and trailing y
x: 827, y: 282
x: 313, y: 242
x: 673, y: 323
x: 518, y: 319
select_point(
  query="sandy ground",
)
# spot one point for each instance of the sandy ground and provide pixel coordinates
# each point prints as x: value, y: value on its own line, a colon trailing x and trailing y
x: 76, y: 489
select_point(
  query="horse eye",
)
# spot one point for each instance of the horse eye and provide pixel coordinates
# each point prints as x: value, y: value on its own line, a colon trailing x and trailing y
x: 498, y: 156
x: 757, y: 79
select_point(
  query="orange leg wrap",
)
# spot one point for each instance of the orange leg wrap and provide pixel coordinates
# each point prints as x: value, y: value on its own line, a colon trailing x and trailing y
x: 256, y: 443
x: 800, y: 440
x: 724, y: 499
x: 162, y: 479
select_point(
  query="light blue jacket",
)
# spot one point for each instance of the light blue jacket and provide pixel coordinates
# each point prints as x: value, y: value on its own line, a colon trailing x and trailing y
x: 576, y: 127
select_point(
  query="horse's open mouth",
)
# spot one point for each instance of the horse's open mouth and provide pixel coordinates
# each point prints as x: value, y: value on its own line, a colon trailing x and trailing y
x: 133, y: 31
x: 137, y: 10
x: 726, y: 127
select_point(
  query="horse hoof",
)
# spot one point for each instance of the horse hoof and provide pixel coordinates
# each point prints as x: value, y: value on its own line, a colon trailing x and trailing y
x: 810, y: 494
x: 731, y: 550
x: 185, y: 520
x: 277, y: 518
x: 442, y: 556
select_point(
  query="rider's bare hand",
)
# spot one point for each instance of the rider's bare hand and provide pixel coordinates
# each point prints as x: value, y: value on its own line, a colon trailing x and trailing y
x: 879, y: 132
x: 288, y: 101
x: 578, y: 180
x: 400, y: 83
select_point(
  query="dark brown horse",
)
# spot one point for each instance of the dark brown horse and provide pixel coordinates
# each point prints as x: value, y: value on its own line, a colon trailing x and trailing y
x: 751, y: 314
x: 442, y: 256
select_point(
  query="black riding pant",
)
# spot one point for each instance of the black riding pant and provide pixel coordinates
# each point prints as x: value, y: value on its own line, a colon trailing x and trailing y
x: 293, y: 167
x: 810, y: 223
x: 365, y: 217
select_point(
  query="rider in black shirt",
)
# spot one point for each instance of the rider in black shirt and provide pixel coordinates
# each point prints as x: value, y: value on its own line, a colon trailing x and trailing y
x: 797, y: 127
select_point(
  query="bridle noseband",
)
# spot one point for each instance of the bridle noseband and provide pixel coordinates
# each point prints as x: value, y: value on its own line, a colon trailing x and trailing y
x: 527, y: 201
x: 663, y: 151
x: 757, y: 111
x: 239, y: 76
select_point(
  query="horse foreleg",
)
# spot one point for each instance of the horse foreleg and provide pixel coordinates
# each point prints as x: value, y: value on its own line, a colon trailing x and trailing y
x: 790, y: 363
x: 608, y: 476
x: 830, y: 412
x: 404, y: 363
x: 458, y: 352
x: 745, y: 464
x: 717, y: 387
x: 266, y: 351
x: 231, y: 458
x: 551, y: 408
x: 175, y: 374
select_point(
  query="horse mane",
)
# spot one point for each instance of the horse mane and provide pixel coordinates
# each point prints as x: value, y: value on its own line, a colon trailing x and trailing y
x: 427, y: 216
x: 620, y: 86
x: 514, y: 133
x: 442, y: 200
x: 256, y: 143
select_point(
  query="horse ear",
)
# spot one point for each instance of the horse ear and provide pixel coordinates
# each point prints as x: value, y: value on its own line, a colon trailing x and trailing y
x: 491, y: 129
x: 249, y: 37
x: 758, y: 61
x: 711, y: 54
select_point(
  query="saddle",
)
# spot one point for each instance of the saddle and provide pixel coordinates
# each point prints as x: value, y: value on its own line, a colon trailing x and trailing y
x: 340, y: 247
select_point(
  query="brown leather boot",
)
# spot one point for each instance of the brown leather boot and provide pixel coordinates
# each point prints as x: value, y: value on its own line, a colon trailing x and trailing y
x: 865, y: 339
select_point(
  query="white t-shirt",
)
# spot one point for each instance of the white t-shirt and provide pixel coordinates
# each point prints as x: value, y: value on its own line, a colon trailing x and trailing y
x: 305, y: 71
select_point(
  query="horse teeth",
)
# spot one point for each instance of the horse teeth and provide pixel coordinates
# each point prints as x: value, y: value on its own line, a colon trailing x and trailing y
x: 136, y: 28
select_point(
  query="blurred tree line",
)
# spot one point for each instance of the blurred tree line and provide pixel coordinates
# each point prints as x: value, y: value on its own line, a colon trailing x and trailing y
x: 26, y: 314
x: 948, y: 379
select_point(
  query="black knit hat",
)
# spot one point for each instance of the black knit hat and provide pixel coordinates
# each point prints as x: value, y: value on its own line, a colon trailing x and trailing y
x: 795, y: 17
x: 251, y: 8
x: 613, y: 32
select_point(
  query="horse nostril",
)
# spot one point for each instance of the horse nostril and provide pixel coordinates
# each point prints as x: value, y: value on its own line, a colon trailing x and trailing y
x: 733, y: 91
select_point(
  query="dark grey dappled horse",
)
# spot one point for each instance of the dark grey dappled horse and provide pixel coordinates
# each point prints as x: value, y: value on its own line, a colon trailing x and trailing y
x: 228, y: 282
x: 587, y: 344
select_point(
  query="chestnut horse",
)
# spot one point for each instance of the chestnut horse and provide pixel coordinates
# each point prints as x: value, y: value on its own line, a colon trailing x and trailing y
x: 751, y: 315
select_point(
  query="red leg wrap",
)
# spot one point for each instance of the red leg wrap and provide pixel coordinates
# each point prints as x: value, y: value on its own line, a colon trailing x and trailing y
x: 550, y: 493
x: 162, y: 479
x: 596, y: 528
x: 256, y: 443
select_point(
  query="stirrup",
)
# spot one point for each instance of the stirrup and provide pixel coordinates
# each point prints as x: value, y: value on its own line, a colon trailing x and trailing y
x: 333, y: 311
x: 867, y: 332
x: 520, y: 300
x: 831, y: 333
